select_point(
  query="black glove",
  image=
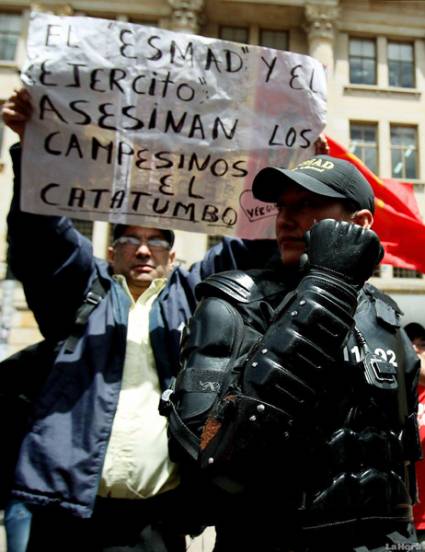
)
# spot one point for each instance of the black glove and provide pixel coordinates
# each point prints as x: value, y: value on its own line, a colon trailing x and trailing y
x: 344, y: 249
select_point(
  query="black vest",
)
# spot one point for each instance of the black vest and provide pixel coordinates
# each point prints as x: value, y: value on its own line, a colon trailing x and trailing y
x: 352, y: 457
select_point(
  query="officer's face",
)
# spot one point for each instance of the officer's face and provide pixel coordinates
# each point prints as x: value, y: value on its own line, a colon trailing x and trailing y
x: 298, y: 210
x: 138, y: 261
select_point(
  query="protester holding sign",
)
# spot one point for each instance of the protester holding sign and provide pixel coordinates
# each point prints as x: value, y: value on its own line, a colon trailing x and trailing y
x: 94, y: 466
x: 297, y: 395
x: 134, y: 125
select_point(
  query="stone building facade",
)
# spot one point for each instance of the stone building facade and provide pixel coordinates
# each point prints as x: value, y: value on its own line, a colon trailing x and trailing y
x: 374, y: 53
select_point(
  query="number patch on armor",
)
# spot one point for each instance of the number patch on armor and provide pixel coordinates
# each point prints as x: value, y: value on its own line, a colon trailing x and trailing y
x: 387, y: 355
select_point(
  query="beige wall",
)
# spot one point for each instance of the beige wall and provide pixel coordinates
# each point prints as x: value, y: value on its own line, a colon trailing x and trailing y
x: 319, y: 27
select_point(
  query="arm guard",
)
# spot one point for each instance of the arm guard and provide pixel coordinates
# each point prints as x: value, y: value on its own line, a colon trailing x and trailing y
x: 210, y: 344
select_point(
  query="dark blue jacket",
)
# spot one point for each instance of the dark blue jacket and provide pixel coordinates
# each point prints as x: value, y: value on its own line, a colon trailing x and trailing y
x: 62, y: 455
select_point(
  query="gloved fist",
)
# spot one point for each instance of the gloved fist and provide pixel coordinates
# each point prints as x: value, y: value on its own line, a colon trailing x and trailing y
x: 344, y: 249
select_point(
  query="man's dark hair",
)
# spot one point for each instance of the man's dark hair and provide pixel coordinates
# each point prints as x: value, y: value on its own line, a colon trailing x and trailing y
x: 414, y: 330
x: 350, y: 206
x: 119, y: 230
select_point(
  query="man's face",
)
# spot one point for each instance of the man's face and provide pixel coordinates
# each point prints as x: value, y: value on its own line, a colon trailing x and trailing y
x: 419, y: 344
x: 139, y: 263
x: 298, y: 210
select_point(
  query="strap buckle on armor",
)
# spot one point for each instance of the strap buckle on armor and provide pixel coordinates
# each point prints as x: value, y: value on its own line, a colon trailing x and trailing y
x: 165, y: 403
x: 93, y: 298
x: 379, y: 373
x: 188, y: 440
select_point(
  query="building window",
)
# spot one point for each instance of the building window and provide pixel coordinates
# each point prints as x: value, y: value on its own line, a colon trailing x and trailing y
x: 362, y: 61
x: 404, y: 152
x: 1, y: 132
x: 144, y: 22
x: 274, y: 39
x: 10, y: 30
x: 214, y: 240
x: 363, y: 143
x: 234, y: 34
x: 85, y: 227
x: 406, y: 273
x: 401, y: 65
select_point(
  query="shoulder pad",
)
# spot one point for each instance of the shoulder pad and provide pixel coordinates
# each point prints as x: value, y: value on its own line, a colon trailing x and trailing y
x: 103, y: 271
x: 386, y: 308
x: 234, y: 284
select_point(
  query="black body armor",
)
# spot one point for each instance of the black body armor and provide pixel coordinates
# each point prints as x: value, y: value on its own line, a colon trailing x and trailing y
x: 307, y: 392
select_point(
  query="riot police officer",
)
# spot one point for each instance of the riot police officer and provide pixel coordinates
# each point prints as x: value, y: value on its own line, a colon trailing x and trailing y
x: 297, y: 396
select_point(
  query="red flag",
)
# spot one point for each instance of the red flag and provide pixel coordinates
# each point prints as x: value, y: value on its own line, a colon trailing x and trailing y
x: 397, y: 219
x: 404, y: 191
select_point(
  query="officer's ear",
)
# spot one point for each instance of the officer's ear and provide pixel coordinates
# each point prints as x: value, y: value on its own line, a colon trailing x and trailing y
x: 111, y: 254
x: 363, y: 218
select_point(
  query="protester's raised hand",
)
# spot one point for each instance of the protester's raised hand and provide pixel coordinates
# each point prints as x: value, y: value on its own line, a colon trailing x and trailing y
x: 17, y: 111
x: 321, y: 146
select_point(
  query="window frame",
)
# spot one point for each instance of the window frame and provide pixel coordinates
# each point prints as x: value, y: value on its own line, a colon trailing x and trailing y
x: 412, y: 62
x: 84, y: 227
x: 275, y: 31
x: 363, y: 145
x: 351, y: 57
x: 5, y: 33
x: 403, y: 273
x: 234, y: 27
x: 2, y: 133
x: 401, y: 148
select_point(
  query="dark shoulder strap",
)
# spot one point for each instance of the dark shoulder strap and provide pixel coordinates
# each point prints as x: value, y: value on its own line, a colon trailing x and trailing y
x: 387, y: 310
x: 93, y: 297
x: 23, y: 373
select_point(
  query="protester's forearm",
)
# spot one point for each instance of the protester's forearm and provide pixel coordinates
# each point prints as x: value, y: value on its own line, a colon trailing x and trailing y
x: 50, y: 240
x: 239, y: 254
x: 51, y: 259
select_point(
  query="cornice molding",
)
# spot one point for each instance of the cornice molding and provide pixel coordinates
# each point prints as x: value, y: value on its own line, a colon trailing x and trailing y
x: 321, y: 20
x: 185, y: 15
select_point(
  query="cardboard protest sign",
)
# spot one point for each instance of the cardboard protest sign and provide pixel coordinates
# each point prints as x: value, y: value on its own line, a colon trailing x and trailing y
x: 146, y: 126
